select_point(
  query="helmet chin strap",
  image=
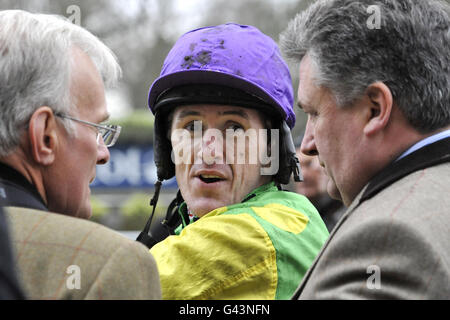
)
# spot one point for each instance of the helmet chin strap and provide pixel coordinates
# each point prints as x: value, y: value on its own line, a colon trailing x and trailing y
x: 170, y: 222
x: 145, y: 236
x: 294, y: 163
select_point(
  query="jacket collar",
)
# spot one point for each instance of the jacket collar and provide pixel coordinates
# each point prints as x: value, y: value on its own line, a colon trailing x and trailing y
x: 17, y: 191
x: 186, y: 219
x: 271, y: 186
x: 428, y: 156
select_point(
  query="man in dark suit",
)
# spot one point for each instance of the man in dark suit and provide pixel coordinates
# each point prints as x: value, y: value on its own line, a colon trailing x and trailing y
x: 375, y: 84
x: 52, y: 101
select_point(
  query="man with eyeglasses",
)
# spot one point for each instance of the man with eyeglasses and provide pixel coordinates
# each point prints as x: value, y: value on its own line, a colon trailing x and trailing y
x: 52, y: 101
x: 106, y: 133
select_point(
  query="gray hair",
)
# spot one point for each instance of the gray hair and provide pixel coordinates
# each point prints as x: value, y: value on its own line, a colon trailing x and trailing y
x: 409, y: 52
x: 35, y: 68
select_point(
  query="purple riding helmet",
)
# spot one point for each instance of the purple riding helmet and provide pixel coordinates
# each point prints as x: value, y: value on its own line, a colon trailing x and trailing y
x: 226, y: 64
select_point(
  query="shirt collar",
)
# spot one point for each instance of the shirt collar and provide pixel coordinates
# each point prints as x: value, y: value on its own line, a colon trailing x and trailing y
x: 425, y: 142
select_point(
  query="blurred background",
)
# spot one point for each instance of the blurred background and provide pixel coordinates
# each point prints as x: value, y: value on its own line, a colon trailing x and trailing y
x: 141, y: 33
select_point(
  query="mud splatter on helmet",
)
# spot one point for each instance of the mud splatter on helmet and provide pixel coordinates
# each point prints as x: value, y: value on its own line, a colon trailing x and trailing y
x: 227, y: 64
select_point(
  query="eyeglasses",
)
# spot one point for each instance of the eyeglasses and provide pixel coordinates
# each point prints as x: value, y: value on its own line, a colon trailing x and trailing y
x: 109, y: 133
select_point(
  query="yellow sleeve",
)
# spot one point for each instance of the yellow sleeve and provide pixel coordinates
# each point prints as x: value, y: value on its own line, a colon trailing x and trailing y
x: 218, y: 257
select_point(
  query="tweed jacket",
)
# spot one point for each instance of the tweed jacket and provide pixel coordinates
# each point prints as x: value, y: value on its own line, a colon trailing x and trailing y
x: 61, y: 257
x: 394, y: 240
x: 9, y: 286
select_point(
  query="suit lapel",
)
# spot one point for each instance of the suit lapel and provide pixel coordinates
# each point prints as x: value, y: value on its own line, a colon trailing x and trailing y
x: 428, y: 156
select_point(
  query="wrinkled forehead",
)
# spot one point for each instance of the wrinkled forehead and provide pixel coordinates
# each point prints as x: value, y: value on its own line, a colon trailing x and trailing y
x: 212, y: 110
x: 215, y: 112
x: 306, y: 82
x: 87, y: 87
